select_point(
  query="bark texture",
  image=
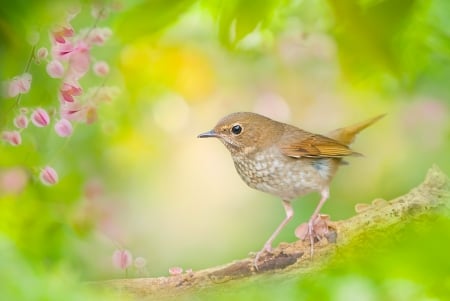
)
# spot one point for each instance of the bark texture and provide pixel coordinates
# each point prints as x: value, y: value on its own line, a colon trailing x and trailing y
x: 292, y: 259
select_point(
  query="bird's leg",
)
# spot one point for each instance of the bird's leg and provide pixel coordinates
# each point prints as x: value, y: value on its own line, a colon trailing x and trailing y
x: 268, y: 245
x: 324, y: 196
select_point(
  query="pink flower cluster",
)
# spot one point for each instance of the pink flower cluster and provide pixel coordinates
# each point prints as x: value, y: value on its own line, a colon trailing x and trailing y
x: 123, y: 259
x: 18, y: 85
x: 68, y: 60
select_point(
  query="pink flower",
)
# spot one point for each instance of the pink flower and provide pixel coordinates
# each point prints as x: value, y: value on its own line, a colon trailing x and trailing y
x: 79, y: 61
x: 12, y: 137
x: 72, y: 111
x: 140, y: 262
x: 174, y: 271
x: 122, y: 259
x: 18, y: 85
x: 101, y: 68
x: 48, y: 176
x: 40, y: 117
x: 61, y: 33
x: 42, y: 53
x: 55, y: 69
x: 21, y: 121
x: 68, y: 91
x: 62, y: 51
x: 13, y: 180
x: 63, y: 128
x: 98, y: 36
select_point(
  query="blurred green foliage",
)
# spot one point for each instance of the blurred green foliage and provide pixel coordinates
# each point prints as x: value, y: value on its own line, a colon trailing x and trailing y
x: 183, y: 64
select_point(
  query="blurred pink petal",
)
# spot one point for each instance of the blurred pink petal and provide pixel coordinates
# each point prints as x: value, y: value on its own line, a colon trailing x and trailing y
x: 24, y: 83
x: 93, y: 189
x: 79, y: 61
x: 140, y: 262
x: 12, y: 89
x: 76, y: 112
x: 40, y: 117
x: 101, y: 68
x: 68, y: 91
x: 61, y: 33
x: 21, y: 121
x: 55, y: 69
x: 62, y: 51
x: 320, y: 227
x: 122, y: 259
x: 98, y: 36
x: 12, y: 137
x: 72, y: 111
x: 174, y: 271
x: 63, y: 128
x: 42, y: 53
x: 13, y: 180
x: 48, y: 176
x: 18, y: 85
x: 301, y: 231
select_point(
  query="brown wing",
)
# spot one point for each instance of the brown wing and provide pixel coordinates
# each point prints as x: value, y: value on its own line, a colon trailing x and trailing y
x: 304, y: 144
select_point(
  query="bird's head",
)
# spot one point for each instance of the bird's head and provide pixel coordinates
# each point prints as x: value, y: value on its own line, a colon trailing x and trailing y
x: 245, y: 132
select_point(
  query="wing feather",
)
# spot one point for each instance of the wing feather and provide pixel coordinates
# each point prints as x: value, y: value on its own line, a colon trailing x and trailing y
x: 304, y: 144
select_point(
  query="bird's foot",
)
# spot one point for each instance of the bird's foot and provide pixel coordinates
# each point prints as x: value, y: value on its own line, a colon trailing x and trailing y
x: 266, y: 248
x: 315, y: 229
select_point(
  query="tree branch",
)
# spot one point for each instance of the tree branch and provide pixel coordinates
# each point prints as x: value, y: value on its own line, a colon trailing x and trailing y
x: 292, y: 259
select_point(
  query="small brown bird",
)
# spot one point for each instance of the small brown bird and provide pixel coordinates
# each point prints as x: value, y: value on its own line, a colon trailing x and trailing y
x: 284, y: 160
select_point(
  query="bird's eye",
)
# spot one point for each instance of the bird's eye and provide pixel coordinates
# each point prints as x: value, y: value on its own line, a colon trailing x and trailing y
x: 236, y: 129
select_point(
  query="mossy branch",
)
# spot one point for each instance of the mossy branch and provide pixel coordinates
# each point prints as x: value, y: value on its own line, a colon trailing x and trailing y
x: 293, y: 259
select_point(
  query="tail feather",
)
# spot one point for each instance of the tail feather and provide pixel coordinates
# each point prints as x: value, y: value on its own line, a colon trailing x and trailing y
x: 347, y: 134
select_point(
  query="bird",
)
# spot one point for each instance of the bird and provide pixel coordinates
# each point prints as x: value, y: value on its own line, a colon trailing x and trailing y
x: 284, y: 160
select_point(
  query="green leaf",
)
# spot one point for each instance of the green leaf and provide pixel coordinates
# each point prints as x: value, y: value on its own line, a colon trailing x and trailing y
x: 236, y: 19
x: 150, y: 18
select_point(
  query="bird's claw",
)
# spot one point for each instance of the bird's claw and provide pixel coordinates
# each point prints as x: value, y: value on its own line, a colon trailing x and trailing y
x: 267, y: 248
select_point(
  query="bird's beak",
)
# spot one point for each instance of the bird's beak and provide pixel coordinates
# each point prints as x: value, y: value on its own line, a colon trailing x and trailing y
x: 208, y: 134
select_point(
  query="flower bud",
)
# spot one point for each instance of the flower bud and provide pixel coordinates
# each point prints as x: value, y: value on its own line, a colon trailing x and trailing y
x: 40, y: 118
x: 12, y: 137
x: 42, y: 53
x: 101, y: 68
x: 63, y: 128
x: 21, y: 121
x: 122, y: 259
x: 55, y: 69
x: 48, y: 176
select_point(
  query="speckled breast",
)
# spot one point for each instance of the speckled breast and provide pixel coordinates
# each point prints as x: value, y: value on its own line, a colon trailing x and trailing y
x: 272, y: 172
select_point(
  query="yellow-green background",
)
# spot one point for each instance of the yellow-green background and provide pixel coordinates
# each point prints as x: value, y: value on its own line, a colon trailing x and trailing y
x: 181, y: 65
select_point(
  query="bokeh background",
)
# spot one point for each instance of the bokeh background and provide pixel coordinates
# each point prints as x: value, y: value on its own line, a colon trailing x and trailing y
x: 137, y: 178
